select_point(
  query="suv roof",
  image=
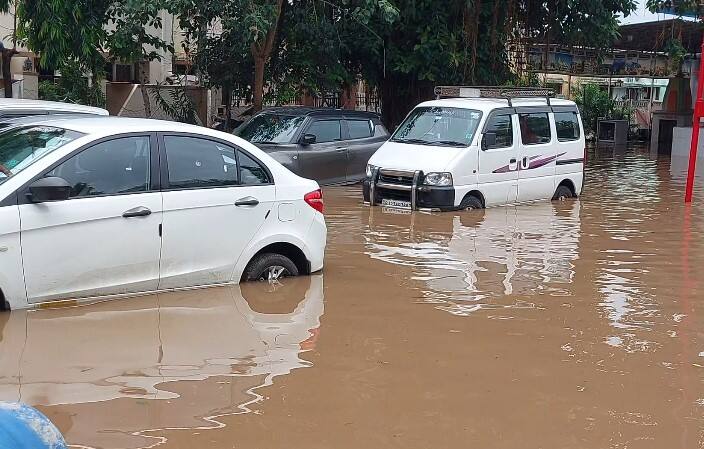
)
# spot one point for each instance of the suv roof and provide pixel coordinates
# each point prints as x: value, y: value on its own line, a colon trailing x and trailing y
x: 15, y: 106
x: 310, y: 111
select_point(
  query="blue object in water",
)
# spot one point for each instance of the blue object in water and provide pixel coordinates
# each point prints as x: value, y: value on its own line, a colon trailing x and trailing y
x: 23, y: 427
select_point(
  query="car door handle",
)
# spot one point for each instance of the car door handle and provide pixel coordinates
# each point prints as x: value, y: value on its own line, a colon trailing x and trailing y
x: 246, y: 201
x: 512, y: 161
x: 139, y: 211
x: 340, y: 150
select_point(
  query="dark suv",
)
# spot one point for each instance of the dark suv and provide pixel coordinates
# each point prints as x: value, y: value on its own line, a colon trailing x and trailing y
x: 331, y: 146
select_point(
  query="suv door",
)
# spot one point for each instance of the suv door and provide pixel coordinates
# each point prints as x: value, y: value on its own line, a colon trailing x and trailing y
x: 104, y: 240
x: 537, y: 156
x: 325, y: 160
x: 216, y: 198
x: 362, y: 143
x: 498, y: 163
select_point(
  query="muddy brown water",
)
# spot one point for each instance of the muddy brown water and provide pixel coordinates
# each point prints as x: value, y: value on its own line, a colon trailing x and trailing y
x: 570, y: 325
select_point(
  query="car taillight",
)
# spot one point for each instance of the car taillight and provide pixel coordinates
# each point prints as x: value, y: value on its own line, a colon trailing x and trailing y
x: 315, y: 200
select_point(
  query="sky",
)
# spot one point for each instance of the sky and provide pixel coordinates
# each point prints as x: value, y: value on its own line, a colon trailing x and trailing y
x: 643, y: 15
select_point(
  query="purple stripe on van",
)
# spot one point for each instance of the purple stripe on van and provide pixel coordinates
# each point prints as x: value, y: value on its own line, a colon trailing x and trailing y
x: 535, y: 162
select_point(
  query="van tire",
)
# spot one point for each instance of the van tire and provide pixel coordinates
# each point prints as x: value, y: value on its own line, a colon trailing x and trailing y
x: 562, y: 193
x: 270, y: 267
x: 471, y: 202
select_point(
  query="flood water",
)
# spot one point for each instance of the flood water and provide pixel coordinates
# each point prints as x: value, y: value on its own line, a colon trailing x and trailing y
x: 569, y: 325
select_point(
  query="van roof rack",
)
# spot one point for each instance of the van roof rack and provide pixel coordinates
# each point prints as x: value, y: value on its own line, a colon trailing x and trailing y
x: 506, y: 93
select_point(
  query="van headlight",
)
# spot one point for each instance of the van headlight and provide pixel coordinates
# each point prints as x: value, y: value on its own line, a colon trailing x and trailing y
x: 370, y: 169
x: 438, y: 179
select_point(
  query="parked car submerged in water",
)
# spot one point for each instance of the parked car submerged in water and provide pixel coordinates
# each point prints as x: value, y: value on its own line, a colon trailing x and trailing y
x: 94, y: 208
x: 331, y: 146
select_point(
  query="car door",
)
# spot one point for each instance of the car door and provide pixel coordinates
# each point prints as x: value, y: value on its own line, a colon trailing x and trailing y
x: 361, y: 145
x: 537, y: 155
x: 216, y: 198
x: 325, y: 160
x: 104, y: 239
x: 498, y: 161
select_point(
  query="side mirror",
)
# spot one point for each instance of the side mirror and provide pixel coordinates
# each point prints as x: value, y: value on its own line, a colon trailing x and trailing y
x: 488, y: 141
x: 51, y: 188
x: 308, y: 139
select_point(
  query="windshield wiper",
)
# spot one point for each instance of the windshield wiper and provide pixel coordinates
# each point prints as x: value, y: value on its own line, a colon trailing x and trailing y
x: 417, y: 141
x: 452, y: 143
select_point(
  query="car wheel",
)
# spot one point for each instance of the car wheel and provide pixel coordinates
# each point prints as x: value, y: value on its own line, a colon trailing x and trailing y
x: 270, y: 267
x: 562, y: 193
x: 470, y: 203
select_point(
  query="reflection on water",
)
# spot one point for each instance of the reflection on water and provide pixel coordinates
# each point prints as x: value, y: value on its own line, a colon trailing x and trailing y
x: 479, y: 259
x: 193, y: 355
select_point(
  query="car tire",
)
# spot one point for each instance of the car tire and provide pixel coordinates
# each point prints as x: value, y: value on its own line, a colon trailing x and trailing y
x: 269, y: 267
x: 471, y: 202
x: 562, y: 193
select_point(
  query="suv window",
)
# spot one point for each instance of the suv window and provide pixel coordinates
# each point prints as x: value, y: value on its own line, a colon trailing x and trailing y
x: 360, y: 129
x: 108, y: 168
x: 535, y: 128
x: 502, y: 126
x: 325, y: 130
x: 251, y: 171
x: 567, y: 126
x: 194, y: 162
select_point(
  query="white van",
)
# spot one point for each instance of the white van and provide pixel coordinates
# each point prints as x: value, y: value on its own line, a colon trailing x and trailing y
x: 482, y: 147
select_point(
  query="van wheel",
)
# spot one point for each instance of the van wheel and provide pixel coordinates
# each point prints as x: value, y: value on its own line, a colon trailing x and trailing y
x: 471, y: 202
x: 269, y: 267
x: 562, y: 193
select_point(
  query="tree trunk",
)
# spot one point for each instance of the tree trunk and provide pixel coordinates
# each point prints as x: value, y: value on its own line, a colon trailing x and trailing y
x: 145, y: 93
x: 259, y: 65
x: 227, y: 98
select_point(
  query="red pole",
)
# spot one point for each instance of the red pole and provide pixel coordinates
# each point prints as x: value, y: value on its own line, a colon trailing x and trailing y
x: 698, y: 112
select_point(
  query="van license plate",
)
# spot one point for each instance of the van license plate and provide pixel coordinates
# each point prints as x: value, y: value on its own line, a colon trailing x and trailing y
x: 396, y: 203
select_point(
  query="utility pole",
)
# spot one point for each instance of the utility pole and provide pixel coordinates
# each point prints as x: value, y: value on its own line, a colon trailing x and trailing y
x: 698, y: 113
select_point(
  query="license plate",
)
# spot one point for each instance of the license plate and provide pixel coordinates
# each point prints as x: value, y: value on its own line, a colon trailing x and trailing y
x: 396, y: 203
x: 395, y: 211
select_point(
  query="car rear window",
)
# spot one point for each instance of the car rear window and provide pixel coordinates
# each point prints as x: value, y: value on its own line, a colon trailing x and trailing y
x: 567, y: 126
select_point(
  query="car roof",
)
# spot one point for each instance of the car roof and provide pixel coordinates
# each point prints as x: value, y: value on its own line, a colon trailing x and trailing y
x: 14, y: 104
x: 489, y: 104
x: 310, y: 111
x: 108, y: 125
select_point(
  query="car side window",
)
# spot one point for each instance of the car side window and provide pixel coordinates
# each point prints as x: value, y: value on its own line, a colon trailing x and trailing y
x: 502, y: 127
x: 360, y: 129
x: 567, y: 126
x: 325, y: 130
x: 535, y: 128
x: 108, y: 168
x: 194, y: 162
x: 251, y: 171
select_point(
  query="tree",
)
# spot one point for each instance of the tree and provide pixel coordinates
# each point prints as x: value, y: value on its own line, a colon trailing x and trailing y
x: 76, y: 33
x: 7, y: 53
x: 130, y: 39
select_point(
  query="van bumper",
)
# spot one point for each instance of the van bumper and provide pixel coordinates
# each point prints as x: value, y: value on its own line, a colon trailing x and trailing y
x: 427, y: 197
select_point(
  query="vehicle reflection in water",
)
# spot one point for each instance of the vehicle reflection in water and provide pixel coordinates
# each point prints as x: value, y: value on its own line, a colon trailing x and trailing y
x: 492, y: 259
x: 177, y: 360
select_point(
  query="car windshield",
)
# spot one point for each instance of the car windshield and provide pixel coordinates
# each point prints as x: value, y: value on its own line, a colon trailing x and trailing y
x: 440, y: 126
x: 270, y: 128
x: 21, y: 147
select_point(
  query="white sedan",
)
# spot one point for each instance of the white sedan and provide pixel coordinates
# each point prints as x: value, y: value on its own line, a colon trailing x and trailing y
x: 96, y: 208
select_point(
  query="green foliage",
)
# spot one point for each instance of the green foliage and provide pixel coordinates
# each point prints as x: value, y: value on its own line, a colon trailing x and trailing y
x: 676, y: 53
x: 594, y: 103
x: 72, y: 87
x: 131, y: 23
x: 179, y: 106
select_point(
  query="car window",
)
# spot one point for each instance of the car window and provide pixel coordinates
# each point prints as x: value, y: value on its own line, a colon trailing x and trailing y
x: 194, y: 162
x: 270, y: 128
x: 325, y: 130
x: 439, y: 126
x: 108, y: 168
x: 567, y: 126
x: 502, y: 127
x: 21, y: 147
x: 251, y: 171
x: 535, y: 128
x: 360, y: 129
